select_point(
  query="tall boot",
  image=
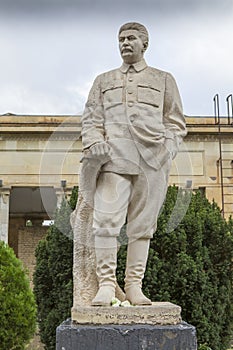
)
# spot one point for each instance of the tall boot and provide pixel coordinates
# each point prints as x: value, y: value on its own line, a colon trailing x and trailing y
x: 106, y: 262
x: 137, y: 254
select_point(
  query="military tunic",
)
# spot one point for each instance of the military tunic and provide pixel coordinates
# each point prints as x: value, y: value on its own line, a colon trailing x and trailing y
x: 137, y: 110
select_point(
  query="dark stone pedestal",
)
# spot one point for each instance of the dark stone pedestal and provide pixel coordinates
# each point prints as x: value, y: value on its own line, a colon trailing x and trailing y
x: 71, y: 336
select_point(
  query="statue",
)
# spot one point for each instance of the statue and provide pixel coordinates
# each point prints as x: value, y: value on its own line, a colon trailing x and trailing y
x: 132, y: 127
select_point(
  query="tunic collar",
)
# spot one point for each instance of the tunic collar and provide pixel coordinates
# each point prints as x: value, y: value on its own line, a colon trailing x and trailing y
x: 138, y: 66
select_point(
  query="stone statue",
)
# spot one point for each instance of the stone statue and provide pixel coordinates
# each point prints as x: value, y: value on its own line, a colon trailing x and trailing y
x: 132, y: 127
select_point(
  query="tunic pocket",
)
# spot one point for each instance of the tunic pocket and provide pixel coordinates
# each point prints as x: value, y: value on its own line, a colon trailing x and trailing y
x: 149, y: 94
x: 112, y: 94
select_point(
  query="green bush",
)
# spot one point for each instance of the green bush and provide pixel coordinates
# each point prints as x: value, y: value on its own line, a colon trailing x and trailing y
x: 53, y: 285
x: 190, y: 264
x: 17, y: 304
x: 204, y: 347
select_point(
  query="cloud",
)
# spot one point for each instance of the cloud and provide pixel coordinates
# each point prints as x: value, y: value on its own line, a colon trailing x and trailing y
x: 103, y: 6
x: 21, y: 99
x: 50, y: 57
x: 199, y: 54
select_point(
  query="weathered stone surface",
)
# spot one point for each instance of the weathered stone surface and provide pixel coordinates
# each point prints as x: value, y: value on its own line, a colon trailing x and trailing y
x: 84, y: 268
x: 162, y: 313
x: 121, y: 337
x: 4, y: 214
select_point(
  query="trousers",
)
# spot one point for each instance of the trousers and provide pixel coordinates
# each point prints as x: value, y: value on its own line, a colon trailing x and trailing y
x: 132, y: 199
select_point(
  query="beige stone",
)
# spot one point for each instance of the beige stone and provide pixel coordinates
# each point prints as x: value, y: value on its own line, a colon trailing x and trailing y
x: 134, y: 116
x: 4, y: 215
x: 84, y: 276
x: 159, y: 313
x: 28, y: 239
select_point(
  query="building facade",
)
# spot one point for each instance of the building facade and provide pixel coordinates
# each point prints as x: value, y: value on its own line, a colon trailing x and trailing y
x: 39, y: 165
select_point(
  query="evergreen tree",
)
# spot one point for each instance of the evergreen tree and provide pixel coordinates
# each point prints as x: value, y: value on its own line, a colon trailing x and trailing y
x: 53, y: 285
x: 18, y: 307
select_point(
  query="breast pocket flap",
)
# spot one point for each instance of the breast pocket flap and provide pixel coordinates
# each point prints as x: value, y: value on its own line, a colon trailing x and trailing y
x: 149, y: 94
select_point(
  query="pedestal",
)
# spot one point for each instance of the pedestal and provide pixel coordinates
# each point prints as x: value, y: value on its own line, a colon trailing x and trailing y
x: 155, y: 327
x: 71, y: 336
x: 162, y: 313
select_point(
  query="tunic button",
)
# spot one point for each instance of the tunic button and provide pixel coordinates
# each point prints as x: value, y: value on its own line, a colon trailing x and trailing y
x: 132, y: 117
x: 130, y: 104
x: 131, y: 70
x: 130, y: 79
x: 130, y: 91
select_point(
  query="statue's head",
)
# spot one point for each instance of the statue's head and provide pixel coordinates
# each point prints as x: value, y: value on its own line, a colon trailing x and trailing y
x: 140, y: 28
x: 133, y: 41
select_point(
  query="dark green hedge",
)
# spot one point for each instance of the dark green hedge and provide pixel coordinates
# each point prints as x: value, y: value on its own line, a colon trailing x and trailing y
x: 190, y: 264
x: 17, y: 304
x: 53, y: 285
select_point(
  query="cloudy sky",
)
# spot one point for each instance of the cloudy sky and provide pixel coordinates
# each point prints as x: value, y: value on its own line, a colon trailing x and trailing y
x: 51, y: 50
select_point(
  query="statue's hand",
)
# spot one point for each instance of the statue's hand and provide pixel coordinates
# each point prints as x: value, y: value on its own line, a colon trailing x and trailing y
x: 170, y: 146
x: 100, y: 149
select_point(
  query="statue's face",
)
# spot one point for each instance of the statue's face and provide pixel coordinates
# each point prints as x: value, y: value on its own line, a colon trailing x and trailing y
x: 131, y: 46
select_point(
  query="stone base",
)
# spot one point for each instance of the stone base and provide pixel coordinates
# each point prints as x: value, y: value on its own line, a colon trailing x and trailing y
x: 71, y: 336
x: 162, y: 313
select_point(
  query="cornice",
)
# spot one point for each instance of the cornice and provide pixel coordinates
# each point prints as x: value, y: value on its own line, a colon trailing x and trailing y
x: 40, y: 137
x: 203, y: 137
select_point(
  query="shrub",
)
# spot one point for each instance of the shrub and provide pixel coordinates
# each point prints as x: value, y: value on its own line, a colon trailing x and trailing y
x: 53, y: 286
x: 18, y: 307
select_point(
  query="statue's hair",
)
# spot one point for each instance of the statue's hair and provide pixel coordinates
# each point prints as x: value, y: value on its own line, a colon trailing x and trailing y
x: 143, y: 33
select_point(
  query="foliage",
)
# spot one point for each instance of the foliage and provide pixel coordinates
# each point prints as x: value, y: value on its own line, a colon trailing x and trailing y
x: 53, y: 275
x: 18, y: 307
x: 191, y: 265
x: 204, y: 347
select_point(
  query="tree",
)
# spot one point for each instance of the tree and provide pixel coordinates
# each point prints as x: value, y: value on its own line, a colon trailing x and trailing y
x: 53, y: 285
x: 18, y: 307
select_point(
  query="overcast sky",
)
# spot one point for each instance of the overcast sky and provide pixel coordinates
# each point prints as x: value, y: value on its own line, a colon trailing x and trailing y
x: 51, y: 50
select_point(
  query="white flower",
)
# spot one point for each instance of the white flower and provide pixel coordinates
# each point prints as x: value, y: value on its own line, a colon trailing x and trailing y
x: 115, y: 302
x: 126, y: 303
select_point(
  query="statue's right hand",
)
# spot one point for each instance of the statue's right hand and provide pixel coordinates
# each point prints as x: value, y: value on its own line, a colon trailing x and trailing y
x: 100, y: 149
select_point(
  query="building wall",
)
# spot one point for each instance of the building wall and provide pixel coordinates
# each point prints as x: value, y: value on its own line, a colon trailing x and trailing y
x: 40, y: 151
x: 28, y: 239
x: 199, y: 162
